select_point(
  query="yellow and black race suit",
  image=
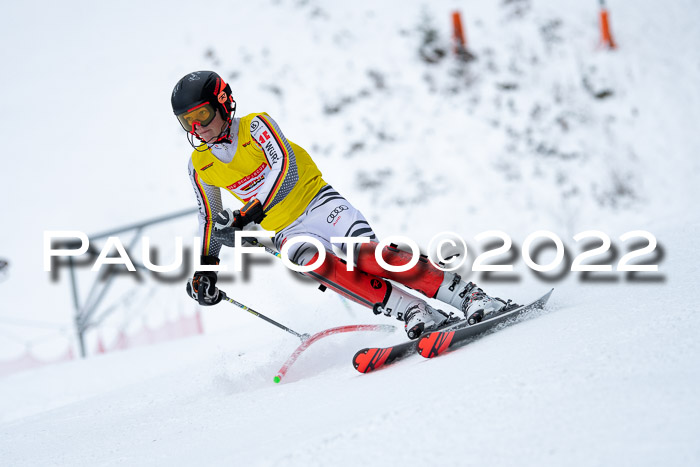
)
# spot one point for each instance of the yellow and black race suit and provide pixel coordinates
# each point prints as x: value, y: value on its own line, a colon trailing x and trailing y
x: 260, y: 163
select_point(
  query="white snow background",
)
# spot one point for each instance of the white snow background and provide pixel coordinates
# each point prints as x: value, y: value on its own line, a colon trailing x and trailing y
x: 544, y: 130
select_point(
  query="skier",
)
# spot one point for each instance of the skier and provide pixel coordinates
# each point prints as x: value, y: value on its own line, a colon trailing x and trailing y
x: 282, y: 190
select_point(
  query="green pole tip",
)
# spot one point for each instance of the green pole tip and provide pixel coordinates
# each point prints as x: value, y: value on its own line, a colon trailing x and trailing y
x: 277, y: 379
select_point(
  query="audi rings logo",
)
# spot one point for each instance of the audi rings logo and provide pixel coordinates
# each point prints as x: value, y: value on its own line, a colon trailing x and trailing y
x: 335, y: 213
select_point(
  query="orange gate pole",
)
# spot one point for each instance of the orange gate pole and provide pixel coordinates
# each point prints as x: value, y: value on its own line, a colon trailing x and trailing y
x: 605, y: 34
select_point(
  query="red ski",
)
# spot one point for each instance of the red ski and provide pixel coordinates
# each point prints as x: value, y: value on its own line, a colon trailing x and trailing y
x: 434, y: 343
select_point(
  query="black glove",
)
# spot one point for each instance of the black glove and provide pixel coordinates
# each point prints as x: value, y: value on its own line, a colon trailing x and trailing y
x: 251, y: 212
x: 228, y: 222
x: 202, y: 287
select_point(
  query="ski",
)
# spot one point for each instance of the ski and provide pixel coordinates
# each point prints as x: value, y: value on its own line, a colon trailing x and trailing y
x: 370, y: 359
x: 436, y: 342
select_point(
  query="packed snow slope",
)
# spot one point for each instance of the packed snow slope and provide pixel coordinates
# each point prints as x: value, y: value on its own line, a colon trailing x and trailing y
x: 607, y: 375
x: 543, y: 130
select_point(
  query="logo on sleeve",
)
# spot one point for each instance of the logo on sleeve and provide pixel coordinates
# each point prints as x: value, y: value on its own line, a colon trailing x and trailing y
x: 271, y: 153
x: 254, y: 125
x: 335, y: 212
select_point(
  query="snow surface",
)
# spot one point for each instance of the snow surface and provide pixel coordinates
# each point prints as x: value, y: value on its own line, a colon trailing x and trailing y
x: 517, y: 140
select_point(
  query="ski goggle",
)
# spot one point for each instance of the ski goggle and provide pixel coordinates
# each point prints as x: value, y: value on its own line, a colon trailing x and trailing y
x: 202, y: 115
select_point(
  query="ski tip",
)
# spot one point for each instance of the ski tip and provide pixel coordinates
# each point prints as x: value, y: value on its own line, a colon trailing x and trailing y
x: 366, y: 360
x: 359, y: 361
x: 277, y: 379
x: 546, y: 296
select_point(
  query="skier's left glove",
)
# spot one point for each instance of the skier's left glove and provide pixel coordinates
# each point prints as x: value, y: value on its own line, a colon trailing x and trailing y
x: 202, y: 287
x: 227, y: 222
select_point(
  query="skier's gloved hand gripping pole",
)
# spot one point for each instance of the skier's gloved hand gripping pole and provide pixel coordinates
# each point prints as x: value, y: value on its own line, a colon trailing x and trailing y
x: 227, y: 223
x: 202, y: 286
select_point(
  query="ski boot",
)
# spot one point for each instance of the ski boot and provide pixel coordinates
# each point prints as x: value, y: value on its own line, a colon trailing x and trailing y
x: 470, y: 299
x: 417, y: 315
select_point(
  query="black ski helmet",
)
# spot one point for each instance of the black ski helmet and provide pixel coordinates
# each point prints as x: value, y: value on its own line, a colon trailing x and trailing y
x: 201, y: 87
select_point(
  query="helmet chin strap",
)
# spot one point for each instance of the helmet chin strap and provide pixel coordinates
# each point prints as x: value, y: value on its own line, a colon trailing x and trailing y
x: 225, y: 135
x: 190, y: 139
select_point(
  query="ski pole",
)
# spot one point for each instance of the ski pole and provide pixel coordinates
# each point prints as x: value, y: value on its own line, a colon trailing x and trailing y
x: 269, y: 250
x: 303, y: 337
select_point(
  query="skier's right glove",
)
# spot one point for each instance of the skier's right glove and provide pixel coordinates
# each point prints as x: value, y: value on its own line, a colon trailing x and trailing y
x: 202, y: 287
x: 227, y: 222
